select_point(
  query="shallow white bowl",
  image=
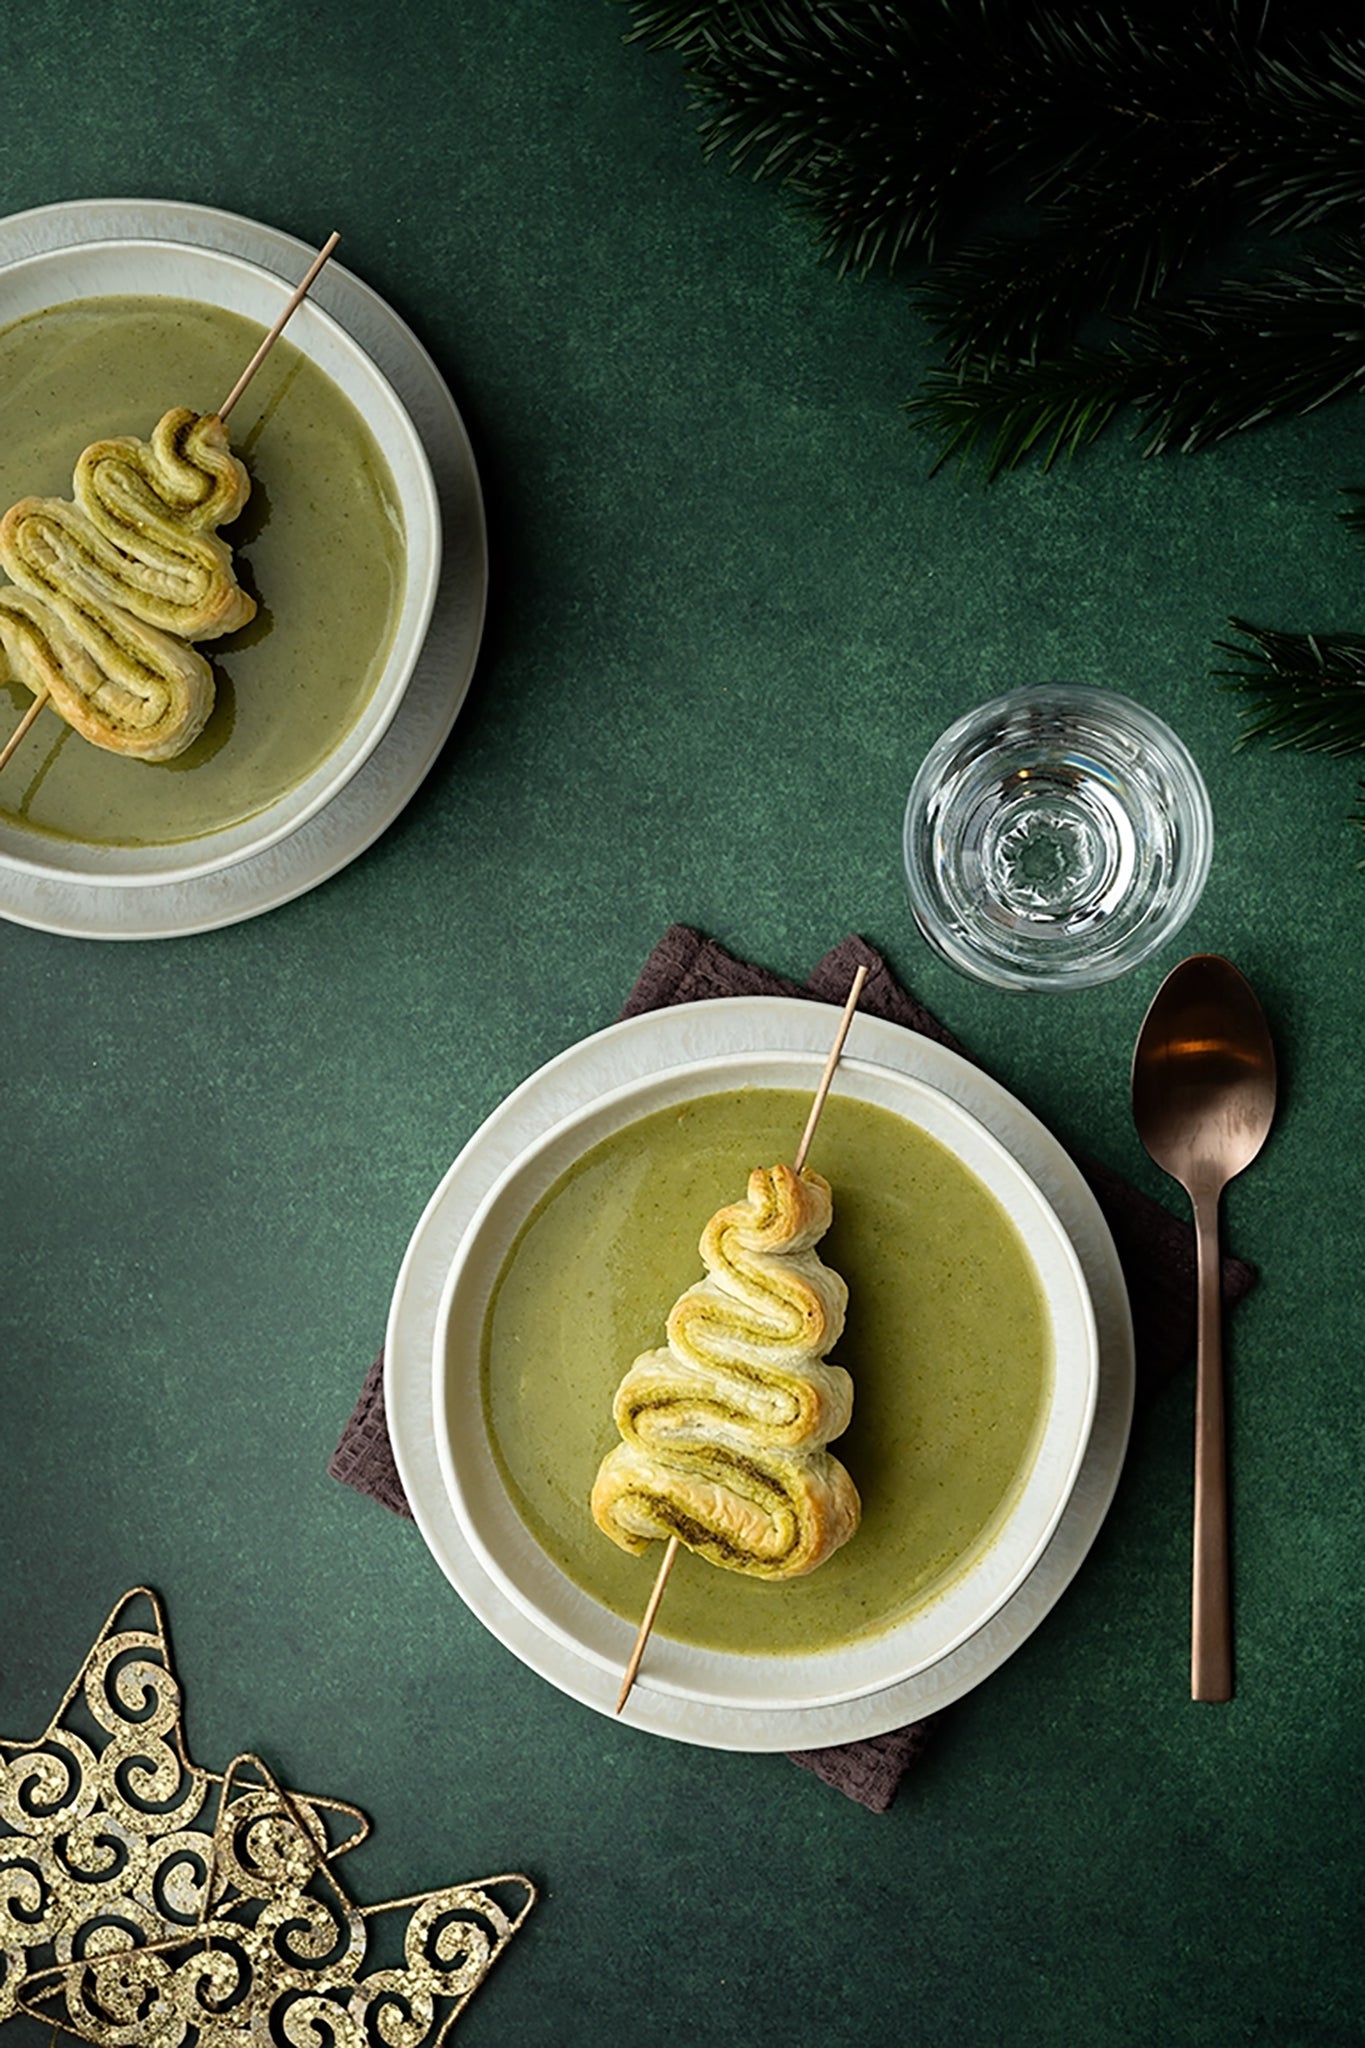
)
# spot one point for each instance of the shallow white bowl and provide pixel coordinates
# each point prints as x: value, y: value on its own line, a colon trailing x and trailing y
x: 174, y: 270
x: 565, y: 1613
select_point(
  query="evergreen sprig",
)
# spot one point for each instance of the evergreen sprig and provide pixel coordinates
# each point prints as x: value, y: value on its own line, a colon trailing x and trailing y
x: 857, y: 110
x: 1053, y: 179
x: 1004, y: 412
x: 1194, y: 371
x: 1306, y: 690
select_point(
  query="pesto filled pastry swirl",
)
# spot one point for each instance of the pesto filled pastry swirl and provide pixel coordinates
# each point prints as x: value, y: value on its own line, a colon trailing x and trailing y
x: 724, y: 1430
x: 109, y: 591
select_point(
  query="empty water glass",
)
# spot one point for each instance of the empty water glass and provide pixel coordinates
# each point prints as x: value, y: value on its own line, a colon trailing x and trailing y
x: 1055, y: 837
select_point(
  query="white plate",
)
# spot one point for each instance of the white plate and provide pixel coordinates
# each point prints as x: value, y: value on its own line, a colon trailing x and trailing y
x: 510, y: 1554
x: 648, y: 1045
x: 386, y: 781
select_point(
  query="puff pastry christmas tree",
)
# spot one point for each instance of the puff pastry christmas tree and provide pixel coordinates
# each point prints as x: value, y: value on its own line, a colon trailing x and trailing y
x: 109, y: 591
x: 724, y: 1431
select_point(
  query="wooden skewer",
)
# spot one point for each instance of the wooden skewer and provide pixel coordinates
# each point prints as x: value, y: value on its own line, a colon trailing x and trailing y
x: 822, y: 1089
x: 22, y: 727
x: 647, y: 1623
x: 296, y: 300
x: 300, y: 294
x: 671, y: 1548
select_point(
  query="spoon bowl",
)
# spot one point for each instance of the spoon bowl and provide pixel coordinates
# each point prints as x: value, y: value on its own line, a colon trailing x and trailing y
x: 1203, y: 1092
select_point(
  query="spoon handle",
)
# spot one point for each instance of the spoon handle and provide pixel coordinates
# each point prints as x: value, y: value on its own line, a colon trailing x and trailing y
x: 1211, y: 1619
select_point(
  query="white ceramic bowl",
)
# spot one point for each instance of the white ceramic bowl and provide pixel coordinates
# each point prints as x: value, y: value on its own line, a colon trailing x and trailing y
x: 173, y: 270
x: 565, y: 1613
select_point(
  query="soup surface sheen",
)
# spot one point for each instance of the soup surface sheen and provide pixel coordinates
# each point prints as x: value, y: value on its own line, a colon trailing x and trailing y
x: 319, y: 546
x: 948, y: 1341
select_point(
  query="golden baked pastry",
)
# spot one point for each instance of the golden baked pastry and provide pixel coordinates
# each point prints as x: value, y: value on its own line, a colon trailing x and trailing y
x: 111, y: 590
x: 724, y: 1431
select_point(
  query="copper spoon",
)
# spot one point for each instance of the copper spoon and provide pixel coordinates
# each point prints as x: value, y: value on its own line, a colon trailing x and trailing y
x: 1203, y: 1099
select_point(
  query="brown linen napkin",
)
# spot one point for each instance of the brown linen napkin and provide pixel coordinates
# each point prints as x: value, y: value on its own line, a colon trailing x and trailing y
x: 1156, y: 1251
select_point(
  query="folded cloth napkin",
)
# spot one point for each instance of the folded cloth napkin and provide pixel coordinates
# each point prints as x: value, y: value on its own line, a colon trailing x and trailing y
x: 1156, y: 1250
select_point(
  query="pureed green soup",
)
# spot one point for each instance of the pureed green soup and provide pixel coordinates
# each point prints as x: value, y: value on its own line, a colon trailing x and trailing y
x: 948, y: 1341
x: 320, y: 546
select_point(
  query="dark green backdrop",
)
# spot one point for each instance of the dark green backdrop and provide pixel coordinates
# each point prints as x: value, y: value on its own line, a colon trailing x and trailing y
x: 729, y: 611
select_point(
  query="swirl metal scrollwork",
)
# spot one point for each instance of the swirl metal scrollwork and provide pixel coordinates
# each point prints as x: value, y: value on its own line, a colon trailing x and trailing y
x: 94, y: 1828
x: 132, y: 1919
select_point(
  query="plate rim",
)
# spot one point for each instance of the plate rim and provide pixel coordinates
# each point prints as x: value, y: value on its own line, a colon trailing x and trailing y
x: 668, y: 1037
x: 383, y: 786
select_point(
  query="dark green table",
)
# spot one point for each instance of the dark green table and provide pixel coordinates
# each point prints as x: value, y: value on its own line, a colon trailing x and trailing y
x: 729, y: 611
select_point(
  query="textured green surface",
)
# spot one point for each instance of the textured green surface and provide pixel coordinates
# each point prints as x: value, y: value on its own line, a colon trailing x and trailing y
x: 729, y: 613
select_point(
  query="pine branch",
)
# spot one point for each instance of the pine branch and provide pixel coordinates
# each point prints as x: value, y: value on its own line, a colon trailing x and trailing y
x: 1011, y: 299
x: 877, y: 119
x: 1132, y: 138
x: 1258, y: 350
x: 1193, y: 372
x: 1006, y: 412
x: 1315, y: 174
x: 890, y: 122
x: 1306, y: 691
x: 1138, y: 181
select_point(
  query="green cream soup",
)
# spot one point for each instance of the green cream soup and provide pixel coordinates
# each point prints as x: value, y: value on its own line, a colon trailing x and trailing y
x: 319, y: 546
x: 948, y: 1341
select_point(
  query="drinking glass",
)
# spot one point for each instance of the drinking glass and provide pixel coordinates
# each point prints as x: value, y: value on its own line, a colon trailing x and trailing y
x: 1055, y: 837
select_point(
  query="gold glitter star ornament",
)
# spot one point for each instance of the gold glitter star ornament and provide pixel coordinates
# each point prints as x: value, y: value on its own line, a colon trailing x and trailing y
x: 126, y: 1920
